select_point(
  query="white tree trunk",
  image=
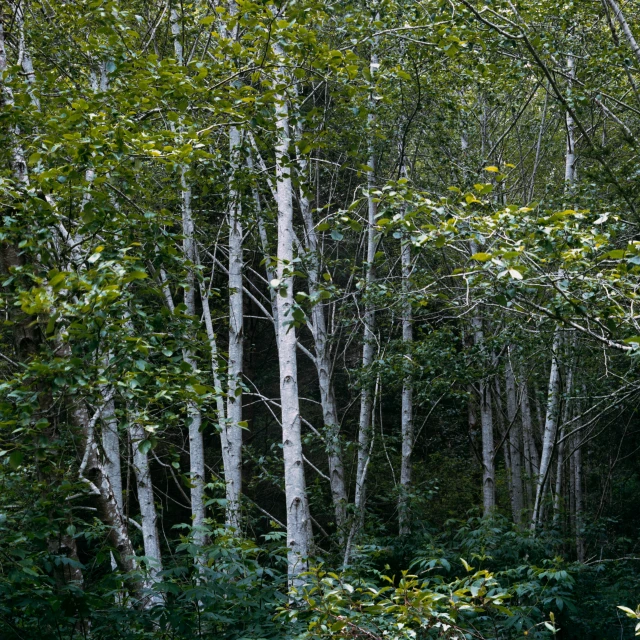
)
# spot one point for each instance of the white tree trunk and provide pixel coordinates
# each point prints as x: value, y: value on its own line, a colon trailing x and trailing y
x: 24, y: 56
x: 322, y: 358
x: 570, y: 156
x: 111, y: 447
x: 231, y: 434
x: 407, y: 393
x: 18, y: 160
x: 299, y: 534
x: 561, y: 446
x: 549, y: 435
x: 624, y: 25
x: 149, y: 517
x: 514, y: 441
x: 369, y: 346
x: 486, y: 422
x: 194, y: 417
x: 531, y: 459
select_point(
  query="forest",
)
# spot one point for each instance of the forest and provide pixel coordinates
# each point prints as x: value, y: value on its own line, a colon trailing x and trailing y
x: 319, y: 319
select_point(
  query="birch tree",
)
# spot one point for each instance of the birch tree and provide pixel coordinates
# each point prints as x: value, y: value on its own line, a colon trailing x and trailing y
x: 299, y: 533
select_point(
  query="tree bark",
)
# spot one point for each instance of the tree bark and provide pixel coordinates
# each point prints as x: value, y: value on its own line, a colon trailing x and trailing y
x: 549, y: 435
x: 322, y: 359
x: 407, y: 394
x: 624, y: 25
x: 231, y: 434
x: 368, y: 347
x: 194, y: 416
x: 299, y: 535
x: 514, y: 442
x: 149, y: 517
x: 531, y: 459
x: 486, y: 422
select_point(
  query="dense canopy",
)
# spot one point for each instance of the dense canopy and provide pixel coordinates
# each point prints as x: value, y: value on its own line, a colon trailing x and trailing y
x: 319, y: 319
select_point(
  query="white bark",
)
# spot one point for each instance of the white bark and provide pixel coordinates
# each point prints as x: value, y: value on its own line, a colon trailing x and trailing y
x: 149, y: 517
x: 111, y: 447
x: 194, y: 416
x: 24, y: 55
x: 624, y: 25
x: 299, y: 535
x: 486, y: 422
x: 231, y: 434
x: 549, y: 434
x: 18, y: 160
x: 369, y: 346
x: 514, y: 442
x: 407, y: 393
x: 561, y: 445
x: 570, y: 156
x: 531, y: 459
x: 323, y: 355
x: 92, y: 472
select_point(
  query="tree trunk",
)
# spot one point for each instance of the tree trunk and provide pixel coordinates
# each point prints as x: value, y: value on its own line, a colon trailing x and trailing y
x: 231, y: 434
x: 557, y: 503
x: 18, y: 160
x: 407, y: 394
x: 570, y: 157
x: 149, y: 518
x: 111, y: 447
x: 624, y: 25
x: 368, y: 347
x: 194, y: 417
x: 486, y: 422
x: 322, y: 349
x: 549, y: 435
x: 531, y: 459
x: 578, y: 498
x: 515, y: 442
x: 92, y: 471
x: 299, y: 535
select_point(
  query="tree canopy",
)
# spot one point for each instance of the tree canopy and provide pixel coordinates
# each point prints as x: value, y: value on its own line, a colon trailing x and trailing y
x: 319, y: 319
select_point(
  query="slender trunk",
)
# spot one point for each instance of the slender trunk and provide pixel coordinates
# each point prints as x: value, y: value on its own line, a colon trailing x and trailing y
x: 149, y: 517
x: 368, y: 348
x: 549, y: 435
x: 624, y: 25
x: 323, y: 355
x: 93, y: 473
x: 515, y: 442
x: 194, y: 416
x: 570, y: 157
x: 111, y: 446
x: 407, y: 394
x: 486, y: 422
x: 231, y: 434
x: 531, y: 459
x: 299, y: 535
x: 24, y: 56
x: 561, y: 447
x: 18, y: 159
x: 578, y: 497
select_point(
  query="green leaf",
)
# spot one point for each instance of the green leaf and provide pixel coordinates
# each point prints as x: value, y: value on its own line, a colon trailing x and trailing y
x: 15, y: 459
x: 144, y: 446
x: 481, y: 257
